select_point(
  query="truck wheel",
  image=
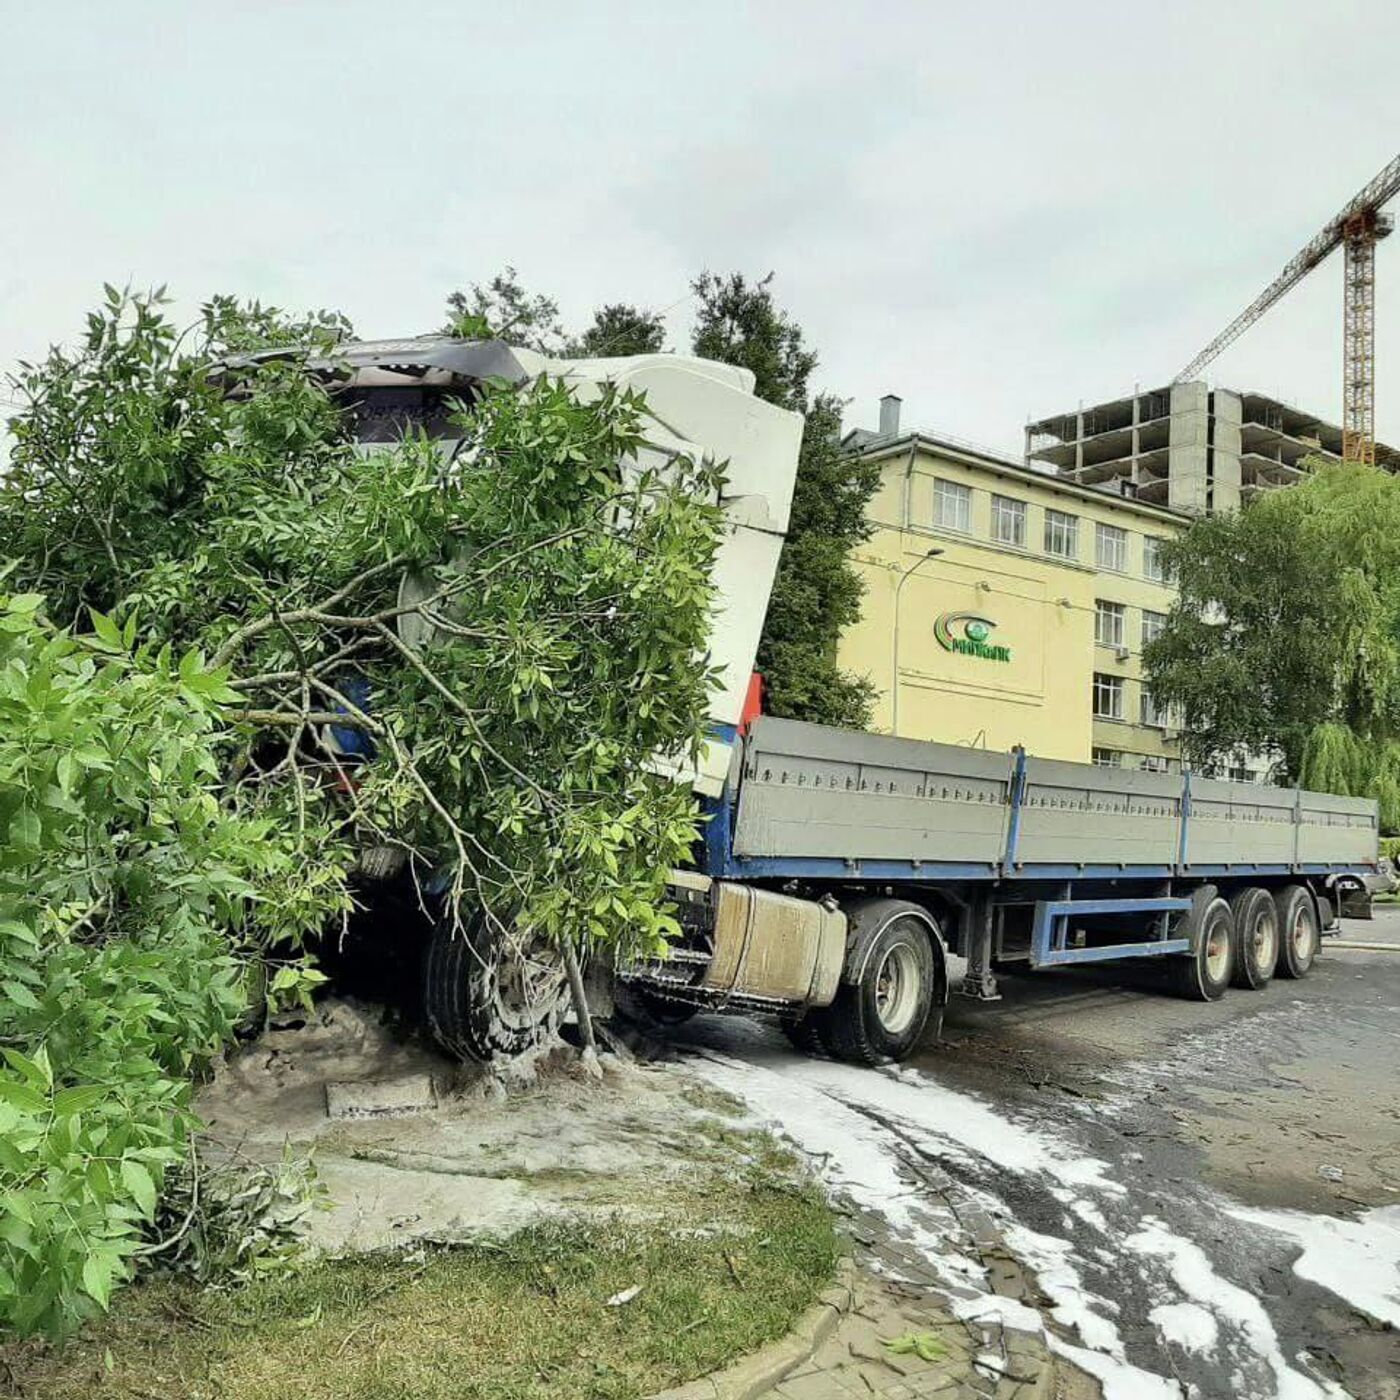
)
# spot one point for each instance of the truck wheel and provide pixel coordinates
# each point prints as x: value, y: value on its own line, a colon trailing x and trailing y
x: 1205, y: 974
x: 881, y: 1015
x: 488, y: 993
x: 1298, y: 933
x: 1256, y: 937
x: 648, y: 1010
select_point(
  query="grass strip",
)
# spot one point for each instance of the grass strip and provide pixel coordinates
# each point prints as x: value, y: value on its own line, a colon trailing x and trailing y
x: 525, y: 1319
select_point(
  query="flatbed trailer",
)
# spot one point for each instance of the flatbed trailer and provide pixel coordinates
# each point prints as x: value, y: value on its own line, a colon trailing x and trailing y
x: 838, y: 870
x: 845, y: 840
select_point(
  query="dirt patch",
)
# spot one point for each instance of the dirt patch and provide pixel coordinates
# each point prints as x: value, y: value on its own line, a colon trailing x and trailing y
x: 441, y: 1152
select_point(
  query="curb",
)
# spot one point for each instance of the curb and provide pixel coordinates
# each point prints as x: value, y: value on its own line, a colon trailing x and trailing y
x: 757, y: 1373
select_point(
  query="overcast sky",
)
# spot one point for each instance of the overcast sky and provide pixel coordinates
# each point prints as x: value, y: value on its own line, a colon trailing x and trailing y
x: 995, y: 210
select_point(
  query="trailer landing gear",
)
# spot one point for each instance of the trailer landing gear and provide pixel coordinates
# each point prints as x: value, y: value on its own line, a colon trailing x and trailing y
x: 979, y: 982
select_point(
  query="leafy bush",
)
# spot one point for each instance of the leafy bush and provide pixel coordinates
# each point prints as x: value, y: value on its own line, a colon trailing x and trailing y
x: 122, y: 879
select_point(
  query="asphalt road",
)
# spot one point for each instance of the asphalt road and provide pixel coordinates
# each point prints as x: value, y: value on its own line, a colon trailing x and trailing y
x: 1209, y: 1195
x: 1268, y: 1088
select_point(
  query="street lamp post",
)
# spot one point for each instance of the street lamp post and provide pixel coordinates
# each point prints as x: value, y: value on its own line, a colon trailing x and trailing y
x: 894, y: 666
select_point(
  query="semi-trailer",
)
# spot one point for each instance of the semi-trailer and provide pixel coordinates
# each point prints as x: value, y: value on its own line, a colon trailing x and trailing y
x: 839, y: 870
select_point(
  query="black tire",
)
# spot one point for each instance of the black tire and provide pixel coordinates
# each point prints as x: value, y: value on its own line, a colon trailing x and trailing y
x: 1326, y: 915
x: 804, y: 1032
x: 1298, y: 931
x: 881, y: 1016
x: 648, y: 1010
x: 1204, y: 975
x: 1256, y: 937
x: 485, y: 998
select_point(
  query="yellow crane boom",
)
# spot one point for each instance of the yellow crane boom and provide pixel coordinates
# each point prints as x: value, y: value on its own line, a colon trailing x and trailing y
x: 1357, y: 228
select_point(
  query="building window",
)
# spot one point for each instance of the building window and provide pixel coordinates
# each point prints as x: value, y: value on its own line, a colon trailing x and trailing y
x: 1152, y: 565
x: 952, y: 506
x: 1009, y: 521
x: 1108, y: 758
x: 1239, y: 775
x: 1061, y: 534
x: 1108, y: 696
x: 1108, y: 623
x: 1153, y: 625
x: 1111, y: 548
x: 1155, y: 763
x: 1153, y: 714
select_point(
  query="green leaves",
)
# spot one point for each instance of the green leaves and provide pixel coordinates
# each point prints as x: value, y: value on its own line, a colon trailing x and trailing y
x: 116, y: 975
x: 166, y: 820
x: 137, y: 1181
x: 1287, y: 630
x: 927, y: 1346
x: 99, y: 1269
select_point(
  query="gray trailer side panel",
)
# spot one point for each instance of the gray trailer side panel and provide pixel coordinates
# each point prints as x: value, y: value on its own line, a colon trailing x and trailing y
x: 809, y: 791
x: 813, y: 793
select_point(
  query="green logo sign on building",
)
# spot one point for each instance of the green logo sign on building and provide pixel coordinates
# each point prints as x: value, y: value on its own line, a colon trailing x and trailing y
x: 967, y: 633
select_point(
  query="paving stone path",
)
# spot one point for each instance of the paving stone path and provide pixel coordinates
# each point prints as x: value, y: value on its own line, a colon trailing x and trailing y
x: 898, y: 1293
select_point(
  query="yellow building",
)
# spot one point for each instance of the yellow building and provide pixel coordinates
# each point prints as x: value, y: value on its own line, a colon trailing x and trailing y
x: 1005, y: 606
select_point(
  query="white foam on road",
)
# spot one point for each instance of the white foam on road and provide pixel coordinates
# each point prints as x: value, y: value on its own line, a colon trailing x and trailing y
x: 825, y: 1109
x: 1358, y: 1260
x: 1187, y: 1325
x: 855, y: 1155
x: 1053, y: 1260
x: 1194, y: 1274
x: 993, y: 1307
x: 861, y: 1127
x: 1120, y: 1381
x: 944, y: 1123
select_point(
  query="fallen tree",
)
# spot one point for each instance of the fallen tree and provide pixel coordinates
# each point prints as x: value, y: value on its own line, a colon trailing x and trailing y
x: 198, y: 551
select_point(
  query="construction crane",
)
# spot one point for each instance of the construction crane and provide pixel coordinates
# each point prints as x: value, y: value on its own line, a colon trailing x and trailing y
x: 1358, y: 228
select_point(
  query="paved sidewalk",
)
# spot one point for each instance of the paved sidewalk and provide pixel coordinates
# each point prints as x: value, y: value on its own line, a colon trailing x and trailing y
x: 900, y: 1293
x: 963, y: 1358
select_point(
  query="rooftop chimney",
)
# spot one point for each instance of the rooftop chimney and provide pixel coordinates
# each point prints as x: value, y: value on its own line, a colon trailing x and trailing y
x: 889, y: 415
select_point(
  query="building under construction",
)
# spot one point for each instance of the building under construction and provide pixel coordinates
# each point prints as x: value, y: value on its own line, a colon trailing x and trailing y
x: 1187, y: 446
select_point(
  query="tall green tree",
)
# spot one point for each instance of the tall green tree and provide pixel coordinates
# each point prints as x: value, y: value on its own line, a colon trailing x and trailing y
x: 817, y: 592
x: 1285, y: 637
x: 739, y: 323
x: 620, y: 329
x: 502, y: 309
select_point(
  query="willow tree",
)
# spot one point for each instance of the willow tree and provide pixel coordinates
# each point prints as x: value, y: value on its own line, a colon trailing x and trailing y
x: 1285, y: 636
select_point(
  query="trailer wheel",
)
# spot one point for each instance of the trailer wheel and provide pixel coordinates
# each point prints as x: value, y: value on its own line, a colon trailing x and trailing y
x: 1256, y: 937
x: 881, y: 1015
x: 1298, y: 932
x: 1204, y: 975
x: 648, y: 1010
x: 488, y: 993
